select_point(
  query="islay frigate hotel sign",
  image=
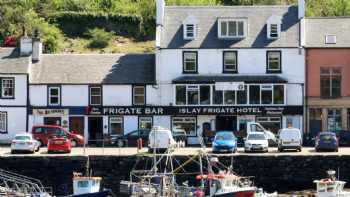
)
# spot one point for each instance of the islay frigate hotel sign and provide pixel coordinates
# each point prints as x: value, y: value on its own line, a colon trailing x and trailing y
x: 200, y: 110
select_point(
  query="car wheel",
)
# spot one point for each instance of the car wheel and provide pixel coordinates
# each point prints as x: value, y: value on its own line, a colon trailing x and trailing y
x: 280, y: 149
x: 120, y: 143
x: 37, y: 149
x: 73, y: 143
x: 150, y: 150
x: 336, y: 150
x: 317, y: 150
x: 40, y: 143
x: 49, y: 152
x: 13, y: 152
x: 299, y: 149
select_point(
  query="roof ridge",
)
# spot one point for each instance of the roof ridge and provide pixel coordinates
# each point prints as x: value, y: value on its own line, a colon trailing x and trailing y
x: 223, y: 6
x: 328, y: 17
x: 99, y: 54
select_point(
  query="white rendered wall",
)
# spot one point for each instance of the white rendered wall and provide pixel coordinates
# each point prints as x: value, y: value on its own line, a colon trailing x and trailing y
x: 20, y: 91
x: 16, y: 122
x: 117, y: 95
x: 38, y: 95
x: 75, y: 95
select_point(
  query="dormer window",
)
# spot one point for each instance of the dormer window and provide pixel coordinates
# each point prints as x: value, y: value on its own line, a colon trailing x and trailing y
x: 331, y: 39
x: 232, y: 28
x: 274, y: 27
x: 189, y: 32
x: 189, y: 28
x: 274, y: 31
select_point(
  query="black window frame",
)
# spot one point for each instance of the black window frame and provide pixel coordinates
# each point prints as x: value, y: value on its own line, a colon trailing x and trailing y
x: 110, y: 122
x: 1, y: 88
x: 268, y: 70
x: 101, y: 95
x: 187, y: 32
x: 49, y: 95
x: 139, y: 121
x: 330, y: 77
x: 184, y: 64
x: 6, y: 122
x: 224, y: 70
x: 144, y: 95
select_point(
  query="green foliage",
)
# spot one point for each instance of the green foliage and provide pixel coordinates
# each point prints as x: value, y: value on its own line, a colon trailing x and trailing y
x: 99, y: 38
x: 75, y: 24
x: 328, y: 8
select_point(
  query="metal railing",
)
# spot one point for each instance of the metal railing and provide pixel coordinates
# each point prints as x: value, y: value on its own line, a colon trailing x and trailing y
x: 12, y: 184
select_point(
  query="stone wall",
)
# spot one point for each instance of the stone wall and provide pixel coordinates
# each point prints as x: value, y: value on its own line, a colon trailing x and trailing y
x: 273, y: 173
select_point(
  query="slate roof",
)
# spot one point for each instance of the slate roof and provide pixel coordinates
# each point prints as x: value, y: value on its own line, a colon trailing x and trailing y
x: 11, y: 62
x: 318, y: 28
x: 172, y: 33
x: 94, y: 69
x: 229, y: 78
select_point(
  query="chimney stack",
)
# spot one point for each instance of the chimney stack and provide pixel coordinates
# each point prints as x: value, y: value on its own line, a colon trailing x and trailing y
x: 37, y: 47
x: 160, y: 12
x: 301, y: 9
x: 26, y: 46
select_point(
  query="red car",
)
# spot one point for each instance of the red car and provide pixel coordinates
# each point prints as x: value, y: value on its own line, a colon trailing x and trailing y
x: 43, y: 132
x: 59, y: 143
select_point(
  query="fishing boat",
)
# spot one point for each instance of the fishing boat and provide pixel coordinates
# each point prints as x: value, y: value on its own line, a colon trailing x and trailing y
x: 87, y: 186
x: 331, y: 186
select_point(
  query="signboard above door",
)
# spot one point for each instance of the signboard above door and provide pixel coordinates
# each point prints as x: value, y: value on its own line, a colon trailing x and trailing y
x: 234, y: 86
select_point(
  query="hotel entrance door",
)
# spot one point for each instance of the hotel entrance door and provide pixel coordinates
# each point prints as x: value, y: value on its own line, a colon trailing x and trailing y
x: 226, y: 123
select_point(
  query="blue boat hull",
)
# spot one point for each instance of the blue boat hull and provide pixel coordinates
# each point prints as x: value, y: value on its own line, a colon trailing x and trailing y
x: 97, y: 194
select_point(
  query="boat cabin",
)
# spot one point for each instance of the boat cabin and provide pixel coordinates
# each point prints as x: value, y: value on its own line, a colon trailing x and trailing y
x: 86, y: 185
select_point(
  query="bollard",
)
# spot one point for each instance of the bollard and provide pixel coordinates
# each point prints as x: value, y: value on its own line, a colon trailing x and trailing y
x: 139, y: 144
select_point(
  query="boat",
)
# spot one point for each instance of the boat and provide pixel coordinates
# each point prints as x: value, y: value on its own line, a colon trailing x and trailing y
x: 331, y: 186
x: 216, y: 180
x: 87, y: 186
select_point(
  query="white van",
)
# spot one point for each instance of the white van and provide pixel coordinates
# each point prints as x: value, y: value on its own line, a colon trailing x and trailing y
x: 289, y: 138
x: 160, y: 139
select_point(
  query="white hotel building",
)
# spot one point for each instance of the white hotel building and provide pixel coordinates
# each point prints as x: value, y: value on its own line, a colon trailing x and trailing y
x: 215, y: 68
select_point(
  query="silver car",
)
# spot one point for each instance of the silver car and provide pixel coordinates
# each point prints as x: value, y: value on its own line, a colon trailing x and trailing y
x: 24, y: 143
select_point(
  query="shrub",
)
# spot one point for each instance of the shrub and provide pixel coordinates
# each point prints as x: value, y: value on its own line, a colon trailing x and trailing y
x: 99, y: 38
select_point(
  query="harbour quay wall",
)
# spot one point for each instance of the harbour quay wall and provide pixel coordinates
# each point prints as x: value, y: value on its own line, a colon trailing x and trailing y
x: 273, y: 173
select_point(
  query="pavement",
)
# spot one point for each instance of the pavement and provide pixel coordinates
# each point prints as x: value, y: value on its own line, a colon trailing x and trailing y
x: 129, y: 151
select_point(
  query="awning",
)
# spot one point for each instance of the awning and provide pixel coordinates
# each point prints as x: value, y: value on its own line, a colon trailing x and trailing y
x: 199, y: 79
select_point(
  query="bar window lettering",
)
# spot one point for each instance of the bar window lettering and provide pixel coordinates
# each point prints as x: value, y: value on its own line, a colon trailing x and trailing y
x: 95, y: 96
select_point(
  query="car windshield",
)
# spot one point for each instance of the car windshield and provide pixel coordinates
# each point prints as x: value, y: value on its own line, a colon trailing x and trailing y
x: 256, y: 137
x: 224, y: 136
x: 22, y: 137
x: 326, y: 137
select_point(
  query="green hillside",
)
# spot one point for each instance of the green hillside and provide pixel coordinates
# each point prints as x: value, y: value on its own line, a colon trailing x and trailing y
x: 83, y: 26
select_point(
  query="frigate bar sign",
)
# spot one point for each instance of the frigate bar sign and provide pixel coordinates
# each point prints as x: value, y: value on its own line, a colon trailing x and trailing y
x: 200, y: 110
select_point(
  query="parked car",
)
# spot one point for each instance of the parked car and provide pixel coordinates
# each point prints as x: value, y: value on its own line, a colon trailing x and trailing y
x: 59, y: 143
x: 130, y: 139
x: 343, y: 137
x: 256, y: 141
x: 25, y: 143
x: 326, y: 141
x: 43, y: 132
x: 180, y: 136
x: 289, y: 138
x: 160, y: 139
x: 225, y: 141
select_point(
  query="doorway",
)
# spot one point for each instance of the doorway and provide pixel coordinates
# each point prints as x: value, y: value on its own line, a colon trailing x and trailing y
x: 95, y: 129
x: 226, y: 123
x: 76, y: 124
